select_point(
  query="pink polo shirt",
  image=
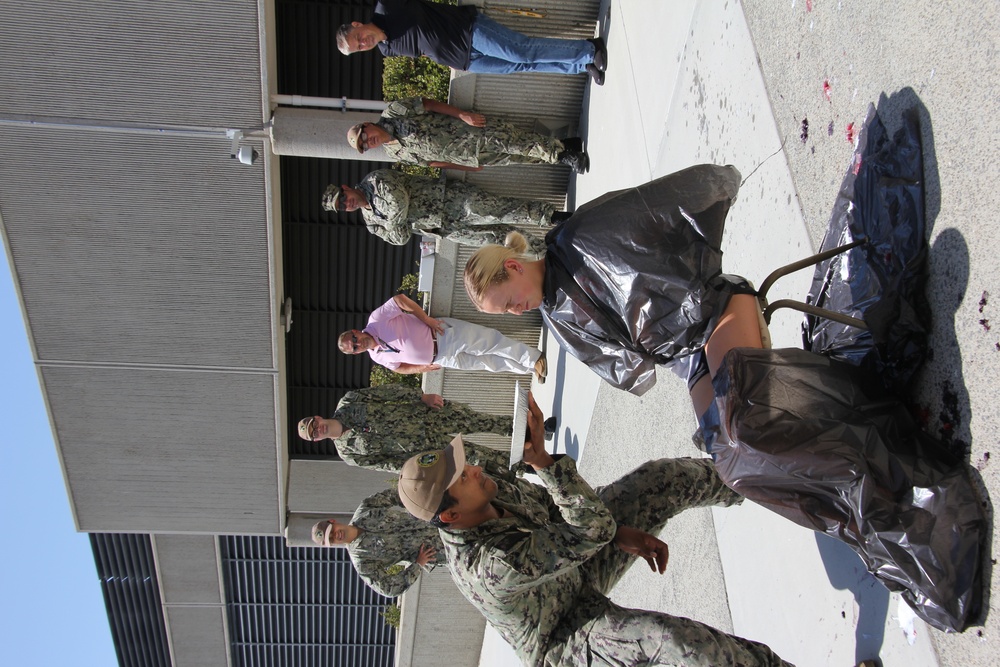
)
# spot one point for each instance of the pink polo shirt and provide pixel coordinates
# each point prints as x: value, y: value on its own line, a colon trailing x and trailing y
x: 402, y: 331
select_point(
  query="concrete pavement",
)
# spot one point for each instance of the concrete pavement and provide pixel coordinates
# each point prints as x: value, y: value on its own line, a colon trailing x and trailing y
x: 727, y: 82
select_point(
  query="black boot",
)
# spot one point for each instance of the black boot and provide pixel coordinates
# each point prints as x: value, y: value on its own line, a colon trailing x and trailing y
x: 575, y: 160
x: 600, y: 54
x: 595, y: 74
x: 573, y: 144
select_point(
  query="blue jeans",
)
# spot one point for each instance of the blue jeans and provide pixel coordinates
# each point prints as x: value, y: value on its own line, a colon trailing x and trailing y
x: 500, y: 50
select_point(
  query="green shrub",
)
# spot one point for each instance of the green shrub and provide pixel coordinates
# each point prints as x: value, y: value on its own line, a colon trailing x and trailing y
x: 391, y: 614
x: 404, y: 77
x: 381, y: 375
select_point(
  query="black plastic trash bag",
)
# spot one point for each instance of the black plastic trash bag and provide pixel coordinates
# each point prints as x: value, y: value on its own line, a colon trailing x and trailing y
x: 807, y: 438
x: 825, y: 443
x: 882, y: 200
x: 633, y: 279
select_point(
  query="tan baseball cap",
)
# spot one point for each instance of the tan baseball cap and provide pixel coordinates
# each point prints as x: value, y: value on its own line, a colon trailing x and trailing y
x: 352, y: 137
x: 331, y: 196
x: 425, y: 477
x: 304, y: 425
x: 321, y: 532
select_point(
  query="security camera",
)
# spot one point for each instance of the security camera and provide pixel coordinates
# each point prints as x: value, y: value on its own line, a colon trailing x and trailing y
x: 247, y: 154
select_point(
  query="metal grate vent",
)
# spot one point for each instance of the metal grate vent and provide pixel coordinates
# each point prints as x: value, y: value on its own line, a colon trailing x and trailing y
x: 132, y: 596
x: 300, y: 607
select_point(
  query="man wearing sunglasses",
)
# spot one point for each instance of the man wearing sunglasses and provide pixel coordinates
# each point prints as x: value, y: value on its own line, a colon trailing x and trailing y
x: 395, y: 206
x: 403, y: 338
x: 464, y: 38
x: 429, y: 133
x: 380, y: 427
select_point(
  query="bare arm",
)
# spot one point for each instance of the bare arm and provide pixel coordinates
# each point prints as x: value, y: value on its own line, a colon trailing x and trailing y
x: 411, y: 369
x: 408, y: 305
x: 449, y: 165
x: 469, y: 117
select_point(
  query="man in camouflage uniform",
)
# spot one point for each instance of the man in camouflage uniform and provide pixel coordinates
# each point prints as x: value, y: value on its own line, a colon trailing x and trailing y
x: 395, y: 205
x: 388, y: 547
x: 539, y: 561
x: 434, y: 134
x: 380, y: 427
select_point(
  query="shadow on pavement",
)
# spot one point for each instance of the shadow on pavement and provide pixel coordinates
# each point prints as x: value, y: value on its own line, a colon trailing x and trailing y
x: 846, y: 571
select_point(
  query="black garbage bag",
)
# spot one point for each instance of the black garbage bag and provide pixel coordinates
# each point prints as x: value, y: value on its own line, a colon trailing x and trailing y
x: 809, y: 439
x: 882, y: 282
x: 633, y: 278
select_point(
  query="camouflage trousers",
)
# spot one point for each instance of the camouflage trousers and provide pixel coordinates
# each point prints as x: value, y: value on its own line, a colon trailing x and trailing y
x: 645, y: 499
x: 456, y: 418
x: 475, y: 217
x: 504, y: 144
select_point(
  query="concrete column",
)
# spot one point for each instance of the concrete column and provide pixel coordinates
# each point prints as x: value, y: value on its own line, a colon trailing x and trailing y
x: 319, y: 133
x: 327, y: 488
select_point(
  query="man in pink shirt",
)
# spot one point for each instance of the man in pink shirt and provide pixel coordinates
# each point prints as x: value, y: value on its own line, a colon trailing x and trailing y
x: 403, y: 338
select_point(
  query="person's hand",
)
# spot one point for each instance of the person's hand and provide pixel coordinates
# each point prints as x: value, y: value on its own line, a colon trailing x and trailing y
x: 436, y: 325
x: 426, y: 555
x: 433, y: 401
x: 472, y: 118
x: 534, y: 448
x: 640, y: 543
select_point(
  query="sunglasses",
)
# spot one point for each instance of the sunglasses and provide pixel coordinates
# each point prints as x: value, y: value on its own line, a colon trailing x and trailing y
x: 363, y: 138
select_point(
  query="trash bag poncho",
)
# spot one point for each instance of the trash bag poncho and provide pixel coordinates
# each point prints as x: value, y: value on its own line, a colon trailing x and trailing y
x: 634, y: 278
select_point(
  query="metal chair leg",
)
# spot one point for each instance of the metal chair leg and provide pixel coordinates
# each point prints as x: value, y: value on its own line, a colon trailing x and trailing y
x: 768, y: 309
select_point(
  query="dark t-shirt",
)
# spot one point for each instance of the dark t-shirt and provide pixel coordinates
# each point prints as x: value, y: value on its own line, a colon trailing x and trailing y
x: 413, y: 28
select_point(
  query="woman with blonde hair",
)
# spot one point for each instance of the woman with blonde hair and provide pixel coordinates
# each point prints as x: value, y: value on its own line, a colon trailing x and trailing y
x: 634, y: 279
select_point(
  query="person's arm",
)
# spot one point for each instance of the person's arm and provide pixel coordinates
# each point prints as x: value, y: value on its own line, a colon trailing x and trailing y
x: 587, y: 524
x: 468, y: 117
x: 413, y: 369
x: 452, y: 165
x: 640, y: 543
x: 408, y: 305
x: 352, y: 451
x: 390, y: 205
x: 388, y: 232
x: 384, y: 577
x: 433, y: 401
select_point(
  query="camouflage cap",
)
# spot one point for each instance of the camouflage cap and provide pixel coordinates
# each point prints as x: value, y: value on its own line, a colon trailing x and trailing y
x: 305, y: 424
x: 425, y: 477
x: 331, y: 197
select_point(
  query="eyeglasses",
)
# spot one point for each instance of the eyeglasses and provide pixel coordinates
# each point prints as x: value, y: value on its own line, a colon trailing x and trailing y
x: 309, y: 427
x: 354, y: 343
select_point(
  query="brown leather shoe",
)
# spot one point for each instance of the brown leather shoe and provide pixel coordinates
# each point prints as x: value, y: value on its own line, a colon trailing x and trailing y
x: 541, y: 369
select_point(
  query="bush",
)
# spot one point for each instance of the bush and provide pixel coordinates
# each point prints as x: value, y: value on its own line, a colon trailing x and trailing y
x: 391, y: 614
x: 381, y: 375
x: 404, y: 77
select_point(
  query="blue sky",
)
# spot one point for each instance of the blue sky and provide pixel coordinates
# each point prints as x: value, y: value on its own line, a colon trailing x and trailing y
x: 52, y: 611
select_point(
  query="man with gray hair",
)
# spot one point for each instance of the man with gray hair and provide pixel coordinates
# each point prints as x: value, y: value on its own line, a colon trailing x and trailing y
x: 464, y: 38
x: 402, y: 337
x: 540, y: 561
x: 395, y: 206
